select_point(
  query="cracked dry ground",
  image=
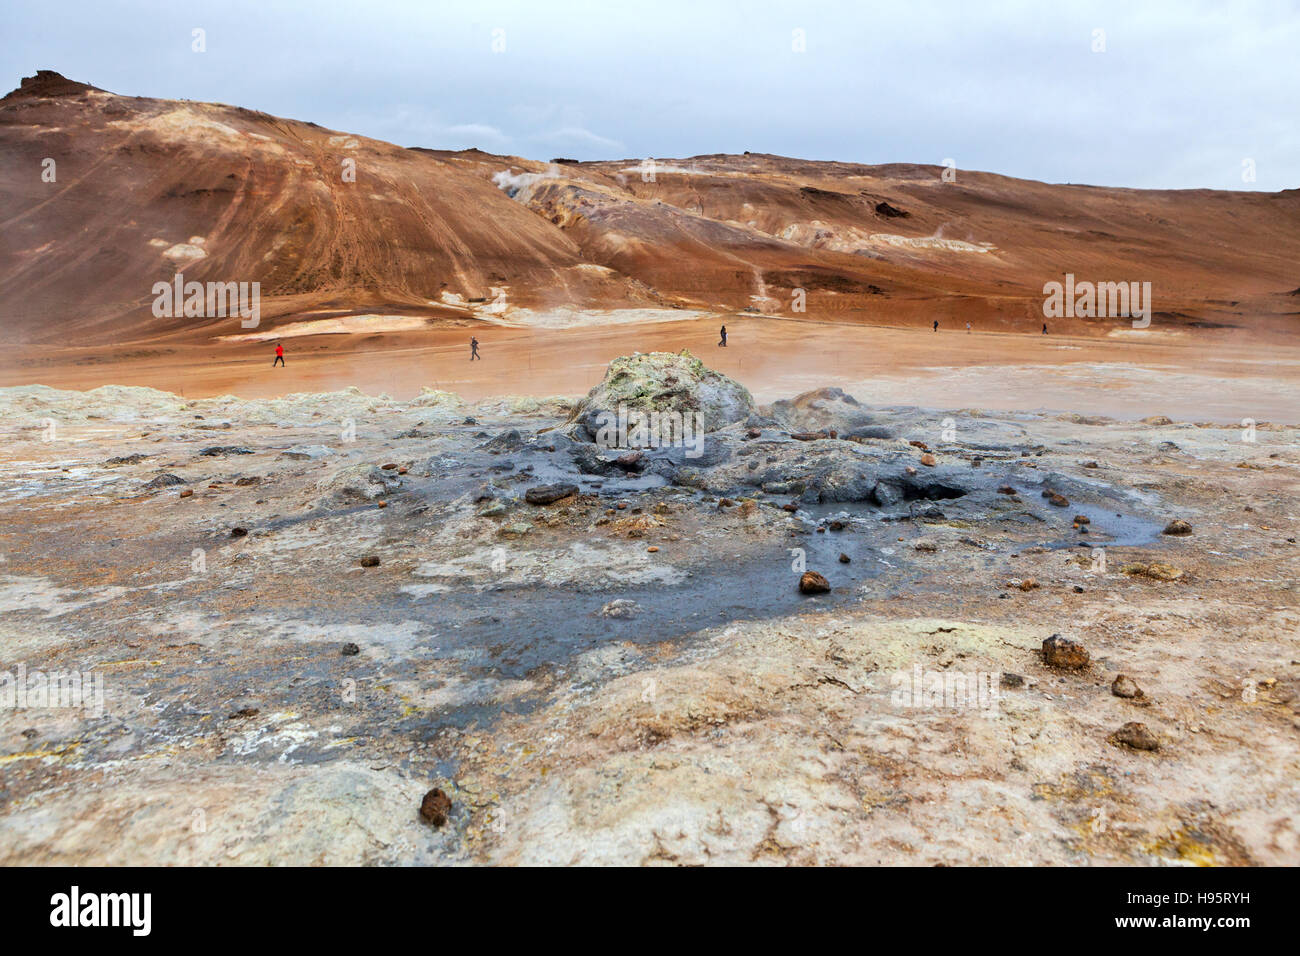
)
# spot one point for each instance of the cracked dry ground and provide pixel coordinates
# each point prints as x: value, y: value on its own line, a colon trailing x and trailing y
x: 728, y: 719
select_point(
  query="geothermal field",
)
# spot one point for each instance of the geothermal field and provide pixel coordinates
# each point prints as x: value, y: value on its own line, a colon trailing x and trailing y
x: 976, y: 543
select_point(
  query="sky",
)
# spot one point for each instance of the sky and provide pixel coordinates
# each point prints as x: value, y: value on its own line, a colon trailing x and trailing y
x: 1154, y: 94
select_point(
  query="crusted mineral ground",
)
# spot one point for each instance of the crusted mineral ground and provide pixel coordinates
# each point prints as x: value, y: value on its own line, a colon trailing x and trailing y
x: 629, y: 673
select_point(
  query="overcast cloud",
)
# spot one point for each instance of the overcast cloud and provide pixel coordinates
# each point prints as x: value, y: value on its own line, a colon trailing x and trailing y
x: 1182, y: 95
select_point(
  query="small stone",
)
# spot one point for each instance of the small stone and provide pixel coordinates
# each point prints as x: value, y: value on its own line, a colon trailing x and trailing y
x: 381, y: 504
x: 910, y: 470
x: 350, y: 650
x: 927, y: 546
x: 549, y: 494
x: 928, y: 460
x: 1012, y: 680
x: 187, y: 493
x: 435, y: 808
x: 1155, y: 570
x: 1062, y: 652
x: 1082, y: 519
x: 1056, y: 499
x: 919, y: 444
x: 844, y: 558
x: 247, y: 481
x: 621, y: 608
x: 1136, y: 735
x: 1006, y: 490
x: 391, y: 466
x: 1028, y: 584
x: 239, y: 532
x: 1177, y: 527
x: 165, y: 480
x: 370, y: 561
x: 1126, y: 687
x: 813, y: 583
x: 244, y: 713
x: 652, y: 549
x: 754, y: 433
x: 806, y: 436
x: 791, y: 507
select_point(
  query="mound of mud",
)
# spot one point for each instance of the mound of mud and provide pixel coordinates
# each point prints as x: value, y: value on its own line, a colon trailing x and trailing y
x: 665, y: 383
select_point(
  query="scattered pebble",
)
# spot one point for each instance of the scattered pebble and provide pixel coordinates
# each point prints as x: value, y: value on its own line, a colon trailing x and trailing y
x: 435, y: 808
x: 1062, y: 652
x: 1136, y: 735
x: 813, y: 583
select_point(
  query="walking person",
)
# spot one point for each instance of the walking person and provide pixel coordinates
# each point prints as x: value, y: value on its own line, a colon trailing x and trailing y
x: 473, y: 349
x: 936, y: 325
x: 279, y: 355
x: 1044, y: 328
x: 723, y: 342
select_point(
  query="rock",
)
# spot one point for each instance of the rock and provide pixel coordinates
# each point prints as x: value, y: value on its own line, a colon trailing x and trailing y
x: 927, y: 546
x: 216, y: 451
x: 1012, y: 680
x: 247, y: 481
x: 919, y: 444
x: 350, y: 650
x: 821, y: 411
x: 1091, y: 464
x: 1177, y: 527
x: 1157, y: 420
x: 370, y: 561
x: 1062, y: 652
x: 753, y: 433
x: 790, y: 507
x: 1006, y: 490
x: 244, y: 713
x: 928, y: 460
x: 1082, y: 519
x: 806, y: 436
x: 493, y: 509
x: 125, y: 460
x: 165, y: 481
x: 239, y: 532
x: 306, y: 452
x: 1126, y: 687
x: 507, y: 441
x: 1056, y: 499
x: 813, y: 583
x: 844, y: 558
x: 621, y: 608
x: 632, y: 461
x: 665, y: 383
x: 1136, y: 735
x: 359, y: 482
x: 1156, y: 570
x: 435, y: 808
x: 187, y: 492
x: 1028, y: 584
x: 887, y: 493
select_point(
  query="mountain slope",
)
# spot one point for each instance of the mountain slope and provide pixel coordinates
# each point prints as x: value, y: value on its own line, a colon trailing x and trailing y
x: 144, y: 188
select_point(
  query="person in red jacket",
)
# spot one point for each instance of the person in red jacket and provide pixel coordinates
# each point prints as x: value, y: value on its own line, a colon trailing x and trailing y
x: 279, y: 355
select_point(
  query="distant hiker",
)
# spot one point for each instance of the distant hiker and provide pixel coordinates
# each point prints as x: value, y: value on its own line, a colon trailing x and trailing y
x: 936, y: 325
x: 473, y: 349
x: 1044, y: 328
x: 968, y: 328
x: 279, y: 355
x: 723, y: 341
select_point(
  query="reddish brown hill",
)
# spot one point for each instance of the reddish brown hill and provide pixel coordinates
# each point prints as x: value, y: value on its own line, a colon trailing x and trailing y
x: 145, y: 187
